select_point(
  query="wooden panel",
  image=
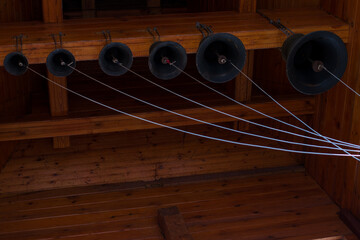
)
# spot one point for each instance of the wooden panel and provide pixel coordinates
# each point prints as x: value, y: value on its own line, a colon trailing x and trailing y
x: 81, y: 38
x: 19, y: 10
x: 89, y: 125
x: 14, y: 91
x: 338, y: 116
x: 284, y: 206
x: 133, y: 156
x: 52, y: 11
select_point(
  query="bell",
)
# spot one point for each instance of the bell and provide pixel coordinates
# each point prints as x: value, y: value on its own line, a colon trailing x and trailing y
x: 164, y: 53
x: 305, y: 57
x: 213, y: 56
x: 58, y: 62
x: 16, y: 63
x: 113, y: 54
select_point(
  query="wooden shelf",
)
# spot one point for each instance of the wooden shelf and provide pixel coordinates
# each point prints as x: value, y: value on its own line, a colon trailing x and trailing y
x: 69, y: 126
x: 84, y: 42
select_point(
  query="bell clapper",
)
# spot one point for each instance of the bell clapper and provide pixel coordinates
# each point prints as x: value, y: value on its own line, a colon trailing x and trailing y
x: 21, y: 64
x: 62, y: 63
x: 115, y: 60
x: 317, y: 66
x: 165, y: 60
x: 222, y: 59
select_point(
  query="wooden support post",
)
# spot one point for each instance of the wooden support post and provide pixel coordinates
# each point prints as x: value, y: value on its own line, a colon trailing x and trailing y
x: 88, y: 8
x: 154, y: 6
x: 58, y: 106
x: 52, y: 11
x: 242, y: 85
x: 172, y: 224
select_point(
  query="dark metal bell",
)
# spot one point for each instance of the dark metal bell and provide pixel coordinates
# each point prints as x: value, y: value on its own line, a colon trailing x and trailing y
x: 302, y: 52
x: 214, y: 53
x: 16, y: 63
x: 58, y: 60
x: 113, y: 54
x: 161, y: 54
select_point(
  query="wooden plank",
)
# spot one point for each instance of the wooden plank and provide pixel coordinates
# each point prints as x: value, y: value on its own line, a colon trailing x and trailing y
x: 339, y: 118
x: 287, y: 206
x: 113, y: 123
x: 172, y: 224
x: 52, y: 11
x: 58, y: 98
x: 81, y: 38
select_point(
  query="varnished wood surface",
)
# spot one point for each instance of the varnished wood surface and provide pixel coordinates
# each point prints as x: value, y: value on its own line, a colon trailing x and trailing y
x: 113, y: 123
x: 338, y: 116
x: 279, y: 206
x: 84, y: 42
x: 133, y: 156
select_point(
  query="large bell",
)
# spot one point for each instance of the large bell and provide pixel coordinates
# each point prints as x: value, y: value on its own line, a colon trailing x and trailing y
x: 113, y: 54
x: 58, y: 62
x: 163, y: 53
x: 306, y: 54
x: 16, y: 63
x: 213, y: 56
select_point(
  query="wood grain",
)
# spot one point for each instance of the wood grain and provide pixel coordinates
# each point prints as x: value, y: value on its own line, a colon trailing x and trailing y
x: 172, y: 224
x: 113, y: 123
x: 58, y: 99
x: 52, y: 11
x: 338, y: 116
x: 81, y: 38
x: 286, y: 206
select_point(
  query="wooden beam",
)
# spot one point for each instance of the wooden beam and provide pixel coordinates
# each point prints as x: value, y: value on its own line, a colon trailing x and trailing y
x: 81, y: 38
x: 52, y: 11
x: 58, y: 98
x: 114, y: 123
x: 172, y: 224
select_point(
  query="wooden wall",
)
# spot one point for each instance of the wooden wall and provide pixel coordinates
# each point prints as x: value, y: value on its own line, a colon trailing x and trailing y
x: 339, y: 117
x: 14, y: 91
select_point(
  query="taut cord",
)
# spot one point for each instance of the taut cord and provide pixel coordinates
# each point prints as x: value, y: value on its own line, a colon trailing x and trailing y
x: 181, y: 130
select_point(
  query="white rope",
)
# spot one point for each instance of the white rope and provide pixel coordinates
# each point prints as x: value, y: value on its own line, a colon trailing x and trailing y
x: 265, y: 115
x: 195, y: 119
x: 297, y: 118
x: 184, y: 131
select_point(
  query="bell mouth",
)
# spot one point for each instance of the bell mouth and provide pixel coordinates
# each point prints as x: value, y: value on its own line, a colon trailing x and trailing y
x: 164, y: 53
x: 16, y: 63
x: 113, y: 54
x: 320, y: 46
x: 58, y: 62
x: 214, y: 54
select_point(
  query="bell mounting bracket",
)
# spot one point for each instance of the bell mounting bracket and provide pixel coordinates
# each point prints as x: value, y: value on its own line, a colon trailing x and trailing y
x: 277, y: 23
x: 60, y: 35
x: 206, y: 30
x: 154, y: 33
x: 19, y: 42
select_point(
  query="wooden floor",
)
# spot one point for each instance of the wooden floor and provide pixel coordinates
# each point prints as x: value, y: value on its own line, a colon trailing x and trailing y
x: 276, y: 206
x: 133, y: 156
